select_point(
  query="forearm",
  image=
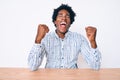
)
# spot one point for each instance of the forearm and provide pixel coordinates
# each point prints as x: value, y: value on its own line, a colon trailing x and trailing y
x: 91, y: 54
x: 38, y: 39
x: 35, y: 57
x: 93, y: 44
x: 95, y: 60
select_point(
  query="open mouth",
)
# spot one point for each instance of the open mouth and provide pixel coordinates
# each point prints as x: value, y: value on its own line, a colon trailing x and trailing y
x: 63, y: 24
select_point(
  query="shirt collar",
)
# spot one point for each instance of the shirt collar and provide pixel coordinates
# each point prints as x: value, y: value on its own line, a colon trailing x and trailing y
x: 66, y: 34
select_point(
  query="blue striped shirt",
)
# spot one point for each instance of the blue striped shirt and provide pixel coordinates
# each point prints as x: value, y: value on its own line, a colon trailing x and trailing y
x: 63, y: 53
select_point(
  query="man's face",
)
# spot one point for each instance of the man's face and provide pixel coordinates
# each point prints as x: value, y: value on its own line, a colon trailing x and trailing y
x: 62, y: 21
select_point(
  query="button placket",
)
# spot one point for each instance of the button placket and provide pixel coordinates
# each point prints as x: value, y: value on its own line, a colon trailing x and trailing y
x: 62, y: 53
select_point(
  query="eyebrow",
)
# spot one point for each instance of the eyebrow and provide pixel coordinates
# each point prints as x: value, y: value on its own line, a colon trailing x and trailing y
x: 62, y: 13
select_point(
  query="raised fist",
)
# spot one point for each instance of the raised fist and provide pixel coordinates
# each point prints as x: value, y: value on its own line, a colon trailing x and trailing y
x: 91, y: 34
x: 41, y: 32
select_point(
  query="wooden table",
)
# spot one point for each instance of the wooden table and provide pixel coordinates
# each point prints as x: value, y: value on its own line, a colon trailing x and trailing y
x: 59, y: 74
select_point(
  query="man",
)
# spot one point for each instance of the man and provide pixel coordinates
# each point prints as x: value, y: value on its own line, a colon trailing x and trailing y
x: 62, y: 46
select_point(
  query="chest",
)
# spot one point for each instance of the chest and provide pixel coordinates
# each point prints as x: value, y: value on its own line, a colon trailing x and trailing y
x: 62, y: 45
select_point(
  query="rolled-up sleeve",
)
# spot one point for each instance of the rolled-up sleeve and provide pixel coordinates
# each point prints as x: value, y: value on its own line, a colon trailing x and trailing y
x: 95, y: 59
x: 91, y: 55
x: 35, y: 56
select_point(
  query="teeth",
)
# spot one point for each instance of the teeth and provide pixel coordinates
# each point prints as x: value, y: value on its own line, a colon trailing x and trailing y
x: 63, y: 23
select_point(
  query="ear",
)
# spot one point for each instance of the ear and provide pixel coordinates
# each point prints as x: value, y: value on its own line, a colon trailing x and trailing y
x: 54, y: 22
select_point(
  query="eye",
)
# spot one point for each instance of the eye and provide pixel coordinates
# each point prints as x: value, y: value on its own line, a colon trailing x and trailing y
x: 67, y: 16
x: 60, y: 15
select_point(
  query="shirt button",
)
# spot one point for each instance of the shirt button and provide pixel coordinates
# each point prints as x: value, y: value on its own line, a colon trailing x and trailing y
x: 62, y: 57
x: 61, y: 66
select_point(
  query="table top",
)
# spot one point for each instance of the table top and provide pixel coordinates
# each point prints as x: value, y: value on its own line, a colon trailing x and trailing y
x: 59, y: 74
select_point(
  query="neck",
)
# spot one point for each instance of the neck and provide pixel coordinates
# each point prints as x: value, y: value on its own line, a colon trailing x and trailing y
x: 60, y: 34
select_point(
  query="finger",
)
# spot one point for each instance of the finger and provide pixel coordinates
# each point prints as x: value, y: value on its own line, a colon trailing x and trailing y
x: 91, y: 29
x: 47, y: 30
x: 88, y: 29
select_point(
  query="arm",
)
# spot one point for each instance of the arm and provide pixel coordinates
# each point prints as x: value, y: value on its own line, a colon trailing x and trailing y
x: 36, y: 56
x: 91, y: 34
x: 91, y: 53
x: 38, y: 50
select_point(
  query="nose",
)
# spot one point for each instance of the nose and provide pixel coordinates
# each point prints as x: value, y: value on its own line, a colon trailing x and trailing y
x: 64, y: 17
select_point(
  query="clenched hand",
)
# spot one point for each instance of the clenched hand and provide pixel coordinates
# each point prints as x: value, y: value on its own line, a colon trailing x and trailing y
x: 41, y: 32
x: 91, y: 34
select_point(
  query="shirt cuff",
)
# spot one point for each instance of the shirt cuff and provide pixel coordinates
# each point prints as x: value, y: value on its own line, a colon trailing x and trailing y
x: 36, y: 46
x: 95, y: 51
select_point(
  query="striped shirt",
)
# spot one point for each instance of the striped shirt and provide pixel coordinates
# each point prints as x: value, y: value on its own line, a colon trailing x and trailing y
x: 63, y: 53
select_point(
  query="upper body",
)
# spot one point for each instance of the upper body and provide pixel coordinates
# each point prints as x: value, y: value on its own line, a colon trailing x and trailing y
x: 62, y: 47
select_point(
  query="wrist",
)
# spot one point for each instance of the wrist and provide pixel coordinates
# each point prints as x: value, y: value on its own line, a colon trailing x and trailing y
x: 93, y: 44
x: 38, y: 41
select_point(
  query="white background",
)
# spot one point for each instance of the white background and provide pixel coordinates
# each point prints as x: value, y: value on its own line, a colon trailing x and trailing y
x: 19, y: 20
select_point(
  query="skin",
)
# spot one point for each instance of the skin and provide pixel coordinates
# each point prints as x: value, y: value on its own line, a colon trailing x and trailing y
x: 41, y: 32
x: 91, y: 35
x: 64, y: 17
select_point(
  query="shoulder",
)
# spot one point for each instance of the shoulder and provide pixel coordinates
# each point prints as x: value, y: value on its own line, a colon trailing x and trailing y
x: 75, y: 34
x: 48, y: 37
x: 49, y: 34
